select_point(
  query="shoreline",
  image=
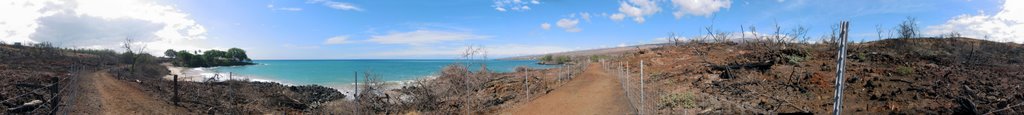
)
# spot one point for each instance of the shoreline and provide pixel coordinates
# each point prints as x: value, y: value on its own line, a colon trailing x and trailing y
x: 200, y: 75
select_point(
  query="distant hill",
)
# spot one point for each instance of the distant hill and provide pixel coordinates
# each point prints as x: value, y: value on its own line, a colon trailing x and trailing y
x: 614, y: 51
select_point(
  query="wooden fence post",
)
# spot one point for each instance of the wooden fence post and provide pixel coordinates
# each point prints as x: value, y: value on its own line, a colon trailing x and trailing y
x: 54, y: 91
x: 175, y: 98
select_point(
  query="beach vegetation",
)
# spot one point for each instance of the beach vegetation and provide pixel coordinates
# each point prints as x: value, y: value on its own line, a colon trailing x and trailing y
x: 553, y: 60
x: 210, y: 58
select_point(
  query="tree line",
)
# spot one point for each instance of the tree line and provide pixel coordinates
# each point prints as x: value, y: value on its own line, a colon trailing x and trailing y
x: 208, y: 58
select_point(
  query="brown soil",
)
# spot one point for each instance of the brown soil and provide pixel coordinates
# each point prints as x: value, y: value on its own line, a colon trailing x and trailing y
x: 595, y: 92
x: 893, y: 76
x: 103, y: 94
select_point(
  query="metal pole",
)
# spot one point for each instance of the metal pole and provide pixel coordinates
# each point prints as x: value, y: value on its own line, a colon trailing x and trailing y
x: 643, y: 103
x: 841, y: 56
x: 355, y: 96
x: 527, y: 83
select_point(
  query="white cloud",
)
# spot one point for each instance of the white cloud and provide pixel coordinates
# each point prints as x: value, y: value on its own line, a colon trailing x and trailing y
x: 545, y: 26
x: 100, y: 24
x: 638, y: 9
x: 272, y: 7
x: 422, y: 37
x: 1005, y: 26
x: 514, y: 5
x: 337, y: 40
x: 336, y: 5
x: 617, y: 16
x: 497, y: 51
x: 290, y: 9
x: 699, y: 7
x: 569, y: 25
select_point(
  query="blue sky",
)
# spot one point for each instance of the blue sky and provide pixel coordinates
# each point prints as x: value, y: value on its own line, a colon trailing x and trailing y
x: 417, y: 29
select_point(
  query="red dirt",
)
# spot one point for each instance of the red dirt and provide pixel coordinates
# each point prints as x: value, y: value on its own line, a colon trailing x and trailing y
x: 102, y: 94
x: 595, y: 92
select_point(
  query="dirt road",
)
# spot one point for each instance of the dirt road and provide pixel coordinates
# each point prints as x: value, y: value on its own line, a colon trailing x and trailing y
x: 101, y: 93
x: 594, y: 92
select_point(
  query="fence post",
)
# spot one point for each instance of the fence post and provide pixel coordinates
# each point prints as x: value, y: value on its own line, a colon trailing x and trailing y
x: 841, y: 57
x: 355, y: 95
x: 175, y: 98
x: 54, y: 91
x: 643, y: 103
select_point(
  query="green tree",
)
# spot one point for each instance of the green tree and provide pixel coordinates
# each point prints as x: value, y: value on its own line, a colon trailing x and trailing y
x: 238, y: 55
x: 215, y: 57
x: 170, y: 53
x: 547, y: 58
x: 184, y: 59
x: 563, y: 59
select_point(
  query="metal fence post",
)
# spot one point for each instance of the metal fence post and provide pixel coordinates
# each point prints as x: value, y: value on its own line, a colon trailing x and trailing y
x: 355, y: 95
x: 643, y: 103
x: 841, y: 56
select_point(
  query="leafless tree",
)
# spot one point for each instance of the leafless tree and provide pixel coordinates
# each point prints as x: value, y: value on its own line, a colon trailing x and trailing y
x: 672, y: 37
x: 133, y: 52
x: 908, y: 28
x: 799, y: 33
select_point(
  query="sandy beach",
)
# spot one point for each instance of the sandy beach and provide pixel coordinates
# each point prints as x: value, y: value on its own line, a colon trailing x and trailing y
x: 180, y: 71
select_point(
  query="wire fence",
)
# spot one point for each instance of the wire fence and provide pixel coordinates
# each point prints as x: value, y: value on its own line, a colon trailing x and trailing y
x: 60, y: 94
x: 632, y: 86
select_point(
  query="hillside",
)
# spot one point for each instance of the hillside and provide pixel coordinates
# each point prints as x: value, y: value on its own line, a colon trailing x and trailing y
x: 611, y: 52
x: 891, y: 76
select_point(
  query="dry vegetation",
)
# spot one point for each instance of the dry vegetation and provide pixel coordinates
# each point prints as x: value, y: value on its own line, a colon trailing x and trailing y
x: 908, y: 75
x: 26, y: 67
x: 456, y: 90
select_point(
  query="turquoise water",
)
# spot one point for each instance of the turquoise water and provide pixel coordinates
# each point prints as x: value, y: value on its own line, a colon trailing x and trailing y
x: 340, y: 72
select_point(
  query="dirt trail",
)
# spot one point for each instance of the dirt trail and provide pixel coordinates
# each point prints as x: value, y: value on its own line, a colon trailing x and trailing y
x: 594, y: 92
x: 101, y: 93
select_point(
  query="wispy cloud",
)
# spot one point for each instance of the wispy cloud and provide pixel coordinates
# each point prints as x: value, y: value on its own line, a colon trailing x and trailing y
x: 272, y: 7
x: 617, y: 17
x: 514, y: 5
x: 545, y: 26
x: 500, y: 50
x: 423, y: 37
x: 337, y: 40
x: 336, y: 5
x: 569, y: 25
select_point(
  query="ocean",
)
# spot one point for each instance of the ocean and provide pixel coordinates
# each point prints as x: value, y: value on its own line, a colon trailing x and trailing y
x: 339, y: 73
